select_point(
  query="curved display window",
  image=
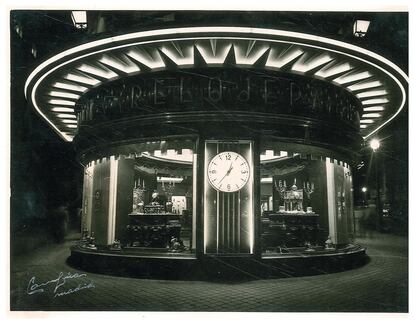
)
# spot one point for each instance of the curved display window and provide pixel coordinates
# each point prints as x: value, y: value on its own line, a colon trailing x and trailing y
x: 141, y: 201
x: 306, y: 201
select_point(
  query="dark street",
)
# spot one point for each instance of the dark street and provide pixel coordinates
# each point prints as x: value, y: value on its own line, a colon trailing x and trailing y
x: 379, y: 286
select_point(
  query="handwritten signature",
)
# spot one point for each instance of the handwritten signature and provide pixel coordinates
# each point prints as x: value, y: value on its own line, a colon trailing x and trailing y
x: 33, y: 287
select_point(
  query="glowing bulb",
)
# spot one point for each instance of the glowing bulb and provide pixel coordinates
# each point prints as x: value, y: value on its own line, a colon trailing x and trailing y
x: 375, y: 144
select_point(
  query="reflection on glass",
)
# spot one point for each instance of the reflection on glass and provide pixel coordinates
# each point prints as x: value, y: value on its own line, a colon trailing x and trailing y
x: 305, y: 207
x: 160, y: 218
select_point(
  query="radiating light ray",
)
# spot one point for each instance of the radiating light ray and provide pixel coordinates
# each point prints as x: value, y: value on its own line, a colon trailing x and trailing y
x: 64, y: 94
x: 151, y: 59
x: 100, y: 72
x: 69, y: 121
x: 329, y: 70
x: 377, y: 101
x: 63, y: 109
x: 375, y: 108
x: 303, y: 65
x: 371, y: 115
x: 128, y: 67
x: 251, y: 56
x: 213, y: 55
x: 61, y: 102
x: 352, y: 77
x: 364, y: 85
x: 284, y: 59
x: 182, y: 56
x: 66, y: 116
x: 82, y: 79
x: 68, y: 86
x: 373, y: 93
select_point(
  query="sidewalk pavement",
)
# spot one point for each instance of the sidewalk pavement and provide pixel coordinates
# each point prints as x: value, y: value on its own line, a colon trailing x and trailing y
x: 379, y: 286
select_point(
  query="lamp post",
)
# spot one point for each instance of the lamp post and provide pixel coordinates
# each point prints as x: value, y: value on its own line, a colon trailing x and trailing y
x: 375, y: 144
x: 364, y: 191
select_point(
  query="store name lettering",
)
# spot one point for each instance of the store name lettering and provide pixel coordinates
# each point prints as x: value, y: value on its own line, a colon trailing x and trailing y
x: 165, y: 94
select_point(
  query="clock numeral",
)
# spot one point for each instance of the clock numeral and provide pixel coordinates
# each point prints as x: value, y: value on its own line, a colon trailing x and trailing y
x: 228, y: 157
x: 244, y: 179
x: 244, y: 171
x: 228, y: 187
x: 213, y: 171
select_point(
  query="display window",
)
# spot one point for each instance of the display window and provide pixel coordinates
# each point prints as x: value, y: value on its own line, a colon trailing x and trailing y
x: 305, y: 201
x: 142, y: 202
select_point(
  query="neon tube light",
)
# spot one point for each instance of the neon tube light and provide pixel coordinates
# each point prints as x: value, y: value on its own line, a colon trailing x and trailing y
x: 364, y: 85
x: 311, y: 64
x: 69, y: 121
x: 352, y: 77
x: 328, y: 71
x: 126, y: 68
x: 285, y: 59
x: 82, y: 79
x: 373, y: 115
x: 375, y: 108
x: 64, y: 95
x: 240, y: 30
x: 61, y: 102
x: 373, y: 93
x: 103, y: 73
x: 66, y: 116
x: 375, y: 101
x: 63, y: 109
x: 67, y: 86
x: 249, y: 58
x: 213, y: 56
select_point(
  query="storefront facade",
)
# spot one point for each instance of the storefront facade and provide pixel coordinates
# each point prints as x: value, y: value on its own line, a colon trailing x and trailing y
x: 217, y: 140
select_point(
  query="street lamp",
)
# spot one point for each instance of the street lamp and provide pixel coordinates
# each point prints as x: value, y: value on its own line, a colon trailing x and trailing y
x: 361, y: 27
x: 79, y: 19
x: 375, y: 144
x: 364, y: 191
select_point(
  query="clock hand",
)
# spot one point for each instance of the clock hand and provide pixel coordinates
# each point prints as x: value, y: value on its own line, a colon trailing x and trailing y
x: 227, y: 173
x: 223, y: 177
x: 231, y: 168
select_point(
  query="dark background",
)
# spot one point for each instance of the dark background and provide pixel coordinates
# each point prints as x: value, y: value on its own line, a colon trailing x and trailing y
x: 44, y: 170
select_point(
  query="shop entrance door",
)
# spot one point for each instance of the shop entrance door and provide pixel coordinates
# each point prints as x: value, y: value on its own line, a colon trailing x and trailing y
x: 228, y: 197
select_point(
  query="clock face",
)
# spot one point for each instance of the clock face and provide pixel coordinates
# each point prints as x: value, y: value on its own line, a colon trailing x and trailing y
x: 228, y: 172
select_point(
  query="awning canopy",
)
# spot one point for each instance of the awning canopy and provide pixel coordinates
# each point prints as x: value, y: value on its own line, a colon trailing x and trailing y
x: 56, y: 85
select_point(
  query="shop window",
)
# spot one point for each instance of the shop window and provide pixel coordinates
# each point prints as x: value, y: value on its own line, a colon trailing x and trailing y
x: 145, y: 199
x: 306, y: 202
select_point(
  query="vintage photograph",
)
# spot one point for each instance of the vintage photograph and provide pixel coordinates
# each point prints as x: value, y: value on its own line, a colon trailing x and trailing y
x: 209, y: 161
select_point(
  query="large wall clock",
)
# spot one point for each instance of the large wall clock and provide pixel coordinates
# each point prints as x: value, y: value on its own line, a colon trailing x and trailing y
x: 228, y: 171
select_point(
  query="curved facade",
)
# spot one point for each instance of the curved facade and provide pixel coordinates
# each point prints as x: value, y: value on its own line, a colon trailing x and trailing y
x: 217, y: 140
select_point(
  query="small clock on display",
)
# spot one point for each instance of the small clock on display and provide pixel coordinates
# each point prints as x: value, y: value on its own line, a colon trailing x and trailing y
x: 228, y: 172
